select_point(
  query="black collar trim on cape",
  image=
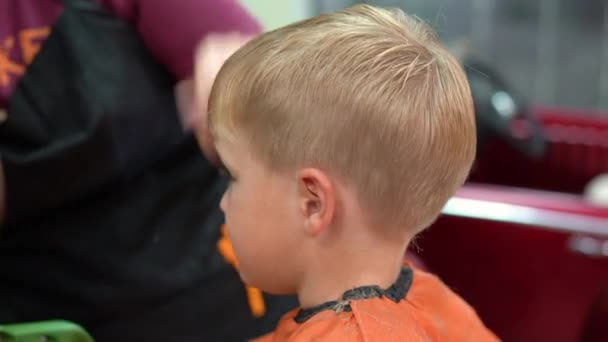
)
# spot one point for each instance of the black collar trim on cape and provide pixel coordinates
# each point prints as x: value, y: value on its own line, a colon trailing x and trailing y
x: 396, y: 293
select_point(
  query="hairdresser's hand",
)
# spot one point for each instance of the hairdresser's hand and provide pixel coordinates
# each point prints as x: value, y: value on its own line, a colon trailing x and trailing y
x: 192, y: 95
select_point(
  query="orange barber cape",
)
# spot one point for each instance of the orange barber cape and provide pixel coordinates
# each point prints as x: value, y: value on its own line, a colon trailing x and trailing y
x: 418, y: 307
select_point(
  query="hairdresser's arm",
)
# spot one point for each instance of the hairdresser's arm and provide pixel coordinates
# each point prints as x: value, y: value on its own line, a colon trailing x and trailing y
x: 173, y: 29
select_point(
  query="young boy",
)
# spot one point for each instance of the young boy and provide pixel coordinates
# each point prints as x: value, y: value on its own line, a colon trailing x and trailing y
x: 343, y: 136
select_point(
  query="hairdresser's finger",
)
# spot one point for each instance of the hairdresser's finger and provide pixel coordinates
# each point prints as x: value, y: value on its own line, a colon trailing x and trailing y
x: 184, y: 99
x: 211, y: 54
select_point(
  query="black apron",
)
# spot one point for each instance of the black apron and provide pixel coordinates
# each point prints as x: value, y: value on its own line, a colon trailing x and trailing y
x: 112, y: 212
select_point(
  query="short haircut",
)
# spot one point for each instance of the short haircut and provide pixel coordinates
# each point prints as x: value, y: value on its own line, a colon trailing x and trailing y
x: 367, y: 94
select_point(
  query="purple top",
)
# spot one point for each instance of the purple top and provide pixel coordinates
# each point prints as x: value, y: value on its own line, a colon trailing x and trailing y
x: 170, y: 29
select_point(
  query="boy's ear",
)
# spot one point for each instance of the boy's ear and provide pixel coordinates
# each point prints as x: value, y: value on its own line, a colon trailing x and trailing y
x: 317, y: 199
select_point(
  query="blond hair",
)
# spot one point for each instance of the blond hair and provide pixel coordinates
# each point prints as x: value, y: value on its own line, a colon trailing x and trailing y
x: 367, y: 94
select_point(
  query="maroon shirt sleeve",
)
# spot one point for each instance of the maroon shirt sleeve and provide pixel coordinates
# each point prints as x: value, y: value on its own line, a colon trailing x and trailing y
x: 172, y: 28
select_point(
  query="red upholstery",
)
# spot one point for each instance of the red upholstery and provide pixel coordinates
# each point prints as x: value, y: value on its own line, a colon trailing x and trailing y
x: 596, y: 329
x: 525, y: 282
x: 577, y: 151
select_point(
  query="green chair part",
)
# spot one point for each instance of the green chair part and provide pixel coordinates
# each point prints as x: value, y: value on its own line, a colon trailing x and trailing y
x: 47, y: 331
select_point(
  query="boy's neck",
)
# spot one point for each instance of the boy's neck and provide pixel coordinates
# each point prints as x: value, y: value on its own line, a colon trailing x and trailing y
x: 359, y: 261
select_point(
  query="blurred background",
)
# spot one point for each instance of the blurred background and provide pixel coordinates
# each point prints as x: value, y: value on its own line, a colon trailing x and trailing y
x: 554, y: 51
